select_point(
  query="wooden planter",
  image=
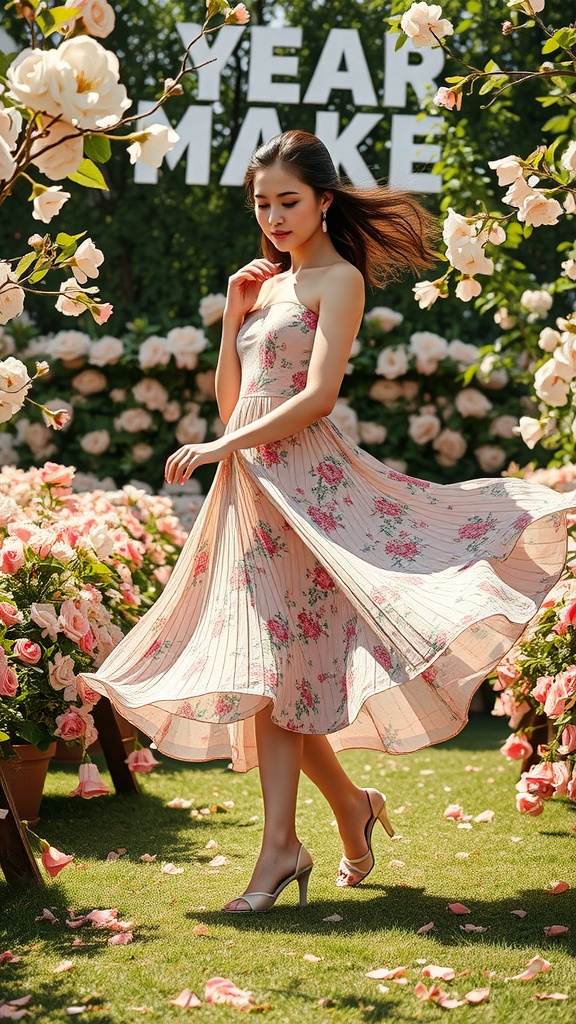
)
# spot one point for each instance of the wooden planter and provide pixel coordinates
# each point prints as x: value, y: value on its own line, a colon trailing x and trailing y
x: 25, y: 776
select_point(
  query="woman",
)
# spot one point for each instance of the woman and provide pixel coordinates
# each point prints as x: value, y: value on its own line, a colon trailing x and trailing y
x: 323, y: 601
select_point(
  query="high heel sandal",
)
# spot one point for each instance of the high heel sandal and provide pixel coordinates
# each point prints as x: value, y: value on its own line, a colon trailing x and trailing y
x: 349, y: 874
x: 258, y: 902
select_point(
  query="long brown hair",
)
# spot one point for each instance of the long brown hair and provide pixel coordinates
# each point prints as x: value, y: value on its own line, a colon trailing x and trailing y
x: 382, y: 231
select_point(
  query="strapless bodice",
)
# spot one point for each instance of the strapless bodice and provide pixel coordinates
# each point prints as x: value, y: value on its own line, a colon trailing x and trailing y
x: 274, y: 345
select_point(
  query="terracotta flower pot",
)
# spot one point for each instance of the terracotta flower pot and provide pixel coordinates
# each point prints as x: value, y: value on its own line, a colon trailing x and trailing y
x: 26, y: 776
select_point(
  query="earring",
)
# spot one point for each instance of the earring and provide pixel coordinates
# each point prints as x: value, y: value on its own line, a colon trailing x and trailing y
x: 324, y: 224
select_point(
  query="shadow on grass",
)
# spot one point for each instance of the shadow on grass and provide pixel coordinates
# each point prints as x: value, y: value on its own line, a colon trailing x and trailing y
x: 396, y: 908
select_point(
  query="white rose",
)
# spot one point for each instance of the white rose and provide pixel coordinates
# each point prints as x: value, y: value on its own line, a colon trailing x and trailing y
x: 10, y: 126
x: 87, y: 259
x: 345, y: 419
x: 142, y: 452
x: 450, y: 446
x: 14, y: 386
x: 424, y: 25
x: 371, y: 433
x: 424, y: 428
x: 471, y: 402
x: 57, y: 150
x: 385, y: 318
x: 151, y: 393
x: 536, y: 210
x: 97, y: 15
x: 95, y: 442
x: 151, y: 145
x: 456, y: 229
x: 8, y: 508
x: 490, y: 375
x: 468, y: 289
x: 569, y: 158
x: 549, y: 339
x: 62, y: 551
x: 563, y: 359
x: 463, y: 355
x: 29, y: 78
x: 48, y: 203
x: 44, y: 615
x: 428, y: 348
x: 505, y: 426
x: 172, y: 411
x: 69, y: 346
x: 118, y: 395
x: 133, y: 421
x: 549, y: 386
x: 469, y: 257
x: 101, y: 540
x: 185, y: 343
x: 508, y: 169
x: 426, y: 293
x: 386, y: 391
x: 490, y: 457
x: 191, y: 429
x: 106, y: 351
x: 37, y: 437
x: 61, y: 675
x: 503, y: 319
x: 7, y: 161
x: 530, y: 430
x: 392, y: 362
x: 155, y: 351
x: 68, y: 303
x: 537, y: 301
x: 89, y: 382
x: 569, y: 268
x: 211, y: 309
x: 11, y: 294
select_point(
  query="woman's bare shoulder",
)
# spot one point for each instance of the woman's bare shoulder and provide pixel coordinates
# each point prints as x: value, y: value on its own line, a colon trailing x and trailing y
x: 341, y: 279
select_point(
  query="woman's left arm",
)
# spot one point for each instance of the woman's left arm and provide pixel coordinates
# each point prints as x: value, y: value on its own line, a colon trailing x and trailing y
x: 341, y: 308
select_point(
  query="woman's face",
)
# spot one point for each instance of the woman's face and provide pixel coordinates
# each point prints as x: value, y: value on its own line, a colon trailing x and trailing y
x: 288, y: 211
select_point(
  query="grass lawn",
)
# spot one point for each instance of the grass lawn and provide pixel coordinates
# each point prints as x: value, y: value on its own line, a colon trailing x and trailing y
x: 511, y: 862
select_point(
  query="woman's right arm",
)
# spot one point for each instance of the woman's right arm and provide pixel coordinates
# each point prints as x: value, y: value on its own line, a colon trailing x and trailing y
x: 243, y: 291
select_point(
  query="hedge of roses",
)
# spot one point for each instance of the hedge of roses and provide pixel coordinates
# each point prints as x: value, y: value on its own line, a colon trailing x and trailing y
x: 426, y: 404
x: 77, y: 571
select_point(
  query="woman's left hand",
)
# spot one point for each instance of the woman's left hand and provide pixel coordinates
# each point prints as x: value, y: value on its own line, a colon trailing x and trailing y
x: 181, y: 465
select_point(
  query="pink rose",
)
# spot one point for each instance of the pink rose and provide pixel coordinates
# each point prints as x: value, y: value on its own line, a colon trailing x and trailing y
x: 52, y: 859
x: 448, y: 98
x: 454, y: 812
x: 517, y: 748
x: 562, y: 771
x: 529, y: 803
x: 567, y: 740
x: 540, y: 691
x: 28, y: 652
x: 73, y: 624
x: 8, y: 678
x: 90, y: 784
x: 12, y: 555
x: 86, y: 642
x: 52, y: 473
x: 44, y: 615
x: 507, y: 674
x: 141, y: 760
x: 568, y: 615
x: 70, y: 725
x: 9, y: 614
x: 539, y: 780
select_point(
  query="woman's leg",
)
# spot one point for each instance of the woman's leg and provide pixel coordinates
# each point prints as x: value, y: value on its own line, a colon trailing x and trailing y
x: 279, y: 759
x: 349, y: 802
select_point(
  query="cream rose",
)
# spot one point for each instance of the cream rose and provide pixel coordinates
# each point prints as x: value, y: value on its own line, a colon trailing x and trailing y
x: 549, y: 386
x: 536, y: 210
x: 151, y: 145
x: 386, y: 391
x: 463, y: 355
x: 97, y: 16
x: 490, y: 375
x: 101, y: 540
x: 384, y: 318
x: 569, y: 269
x: 11, y: 294
x: 468, y: 289
x: 48, y: 203
x: 151, y: 393
x: 504, y: 426
x: 392, y: 362
x: 424, y: 428
x: 450, y: 446
x: 95, y: 442
x: 371, y: 433
x: 428, y: 348
x: 536, y: 301
x: 133, y: 421
x: 172, y: 411
x: 569, y: 158
x: 89, y: 382
x: 106, y: 351
x: 211, y: 309
x: 426, y: 293
x: 490, y: 457
x: 57, y: 150
x: 142, y: 452
x: 471, y: 402
x: 185, y: 343
x: 549, y: 339
x: 44, y: 615
x: 62, y: 676
x: 155, y: 351
x: 14, y: 386
x: 191, y: 429
x: 86, y: 261
x: 508, y: 169
x: 69, y: 346
x: 424, y: 25
x: 345, y: 419
x: 531, y: 431
x: 503, y: 319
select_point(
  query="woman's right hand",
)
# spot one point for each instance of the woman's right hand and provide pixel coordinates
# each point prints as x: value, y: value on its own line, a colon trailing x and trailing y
x: 244, y: 286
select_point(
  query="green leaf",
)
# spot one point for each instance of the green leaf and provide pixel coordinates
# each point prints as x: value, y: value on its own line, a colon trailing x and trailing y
x: 3, y: 736
x: 24, y: 263
x: 52, y: 20
x: 5, y: 62
x: 558, y: 124
x: 36, y: 734
x: 98, y: 148
x: 63, y: 239
x: 550, y: 45
x: 89, y: 176
x: 40, y: 272
x: 400, y: 42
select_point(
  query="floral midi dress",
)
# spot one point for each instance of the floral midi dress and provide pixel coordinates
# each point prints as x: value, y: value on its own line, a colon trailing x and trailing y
x: 358, y: 602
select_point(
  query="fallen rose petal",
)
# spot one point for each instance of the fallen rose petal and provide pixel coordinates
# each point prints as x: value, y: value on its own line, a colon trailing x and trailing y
x: 47, y: 915
x: 73, y: 1011
x: 438, y: 973
x: 186, y: 1000
x: 76, y: 922
x: 113, y: 855
x: 78, y: 941
x: 555, y: 929
x: 557, y: 887
x: 472, y: 768
x: 333, y: 917
x: 121, y: 926
x: 383, y: 989
x: 489, y: 974
x: 63, y: 966
x: 463, y: 824
x: 228, y: 804
x: 462, y: 855
x: 454, y: 812
x: 472, y: 928
x: 102, y: 918
x: 421, y: 992
x: 519, y: 913
x: 399, y: 981
x: 171, y: 869
x: 121, y: 939
x: 9, y: 958
x: 221, y: 990
x: 458, y: 908
x: 396, y: 864
x: 9, y: 1012
x: 448, y: 1002
x: 211, y: 845
x: 477, y: 995
x: 421, y: 960
x: 385, y: 974
x: 148, y: 858
x: 218, y: 862
x: 200, y: 929
x: 179, y: 803
x: 311, y: 958
x: 425, y: 928
x: 537, y: 965
x: 484, y: 816
x: 551, y: 995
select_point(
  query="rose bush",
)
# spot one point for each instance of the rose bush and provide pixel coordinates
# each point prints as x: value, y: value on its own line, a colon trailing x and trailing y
x: 78, y: 569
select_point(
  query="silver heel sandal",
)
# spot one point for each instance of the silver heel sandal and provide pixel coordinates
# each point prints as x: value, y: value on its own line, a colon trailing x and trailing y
x: 259, y: 902
x: 349, y: 875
